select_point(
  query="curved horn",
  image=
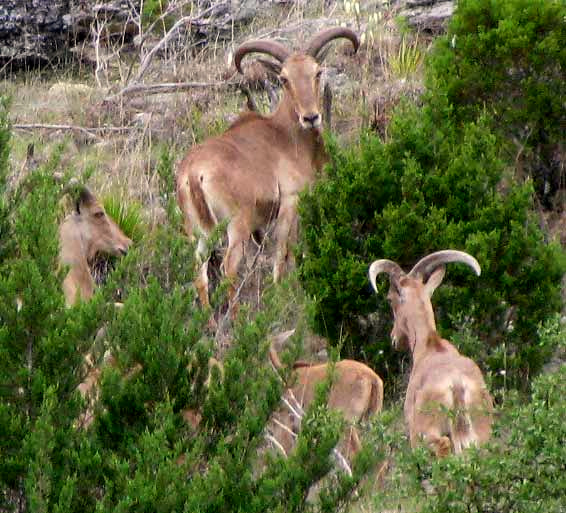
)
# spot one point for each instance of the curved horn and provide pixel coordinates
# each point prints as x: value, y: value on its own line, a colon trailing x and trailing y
x: 426, y: 265
x: 272, y: 48
x: 384, y: 266
x: 324, y: 37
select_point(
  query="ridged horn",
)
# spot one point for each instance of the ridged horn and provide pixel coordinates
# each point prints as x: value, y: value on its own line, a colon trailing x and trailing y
x: 324, y: 37
x: 384, y: 266
x: 426, y: 265
x: 272, y: 48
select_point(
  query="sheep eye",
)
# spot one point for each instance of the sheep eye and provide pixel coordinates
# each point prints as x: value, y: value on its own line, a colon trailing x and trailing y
x: 99, y: 214
x: 283, y: 80
x: 319, y: 73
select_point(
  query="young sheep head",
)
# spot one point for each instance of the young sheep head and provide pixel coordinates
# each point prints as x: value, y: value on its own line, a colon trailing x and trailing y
x: 99, y: 233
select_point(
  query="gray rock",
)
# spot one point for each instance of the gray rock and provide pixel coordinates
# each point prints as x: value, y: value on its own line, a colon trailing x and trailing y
x: 41, y: 31
x: 33, y: 29
x: 430, y: 16
x: 427, y: 15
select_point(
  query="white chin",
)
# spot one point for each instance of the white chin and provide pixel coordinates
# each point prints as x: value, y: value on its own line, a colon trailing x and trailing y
x: 317, y: 127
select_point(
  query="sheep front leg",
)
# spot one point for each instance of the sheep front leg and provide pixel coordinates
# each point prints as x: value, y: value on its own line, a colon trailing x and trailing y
x: 285, y: 236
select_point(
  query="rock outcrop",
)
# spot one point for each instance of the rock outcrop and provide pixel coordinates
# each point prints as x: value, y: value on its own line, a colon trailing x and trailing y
x: 430, y: 16
x: 47, y: 31
x: 34, y: 30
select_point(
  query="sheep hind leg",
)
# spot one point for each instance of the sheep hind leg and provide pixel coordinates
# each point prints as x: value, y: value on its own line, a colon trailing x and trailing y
x: 238, y: 234
x: 353, y: 444
x: 441, y: 446
x: 201, y: 281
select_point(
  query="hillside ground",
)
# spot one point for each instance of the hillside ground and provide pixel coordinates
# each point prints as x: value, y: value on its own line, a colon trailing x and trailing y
x: 115, y: 143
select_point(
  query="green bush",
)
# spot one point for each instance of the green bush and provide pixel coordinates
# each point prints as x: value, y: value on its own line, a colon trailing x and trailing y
x: 5, y: 239
x: 445, y: 179
x: 518, y: 471
x: 435, y: 185
x: 41, y: 348
x: 507, y: 57
x: 138, y: 454
x: 519, y: 474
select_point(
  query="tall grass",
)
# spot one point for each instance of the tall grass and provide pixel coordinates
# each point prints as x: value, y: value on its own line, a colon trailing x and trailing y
x: 407, y: 60
x: 128, y: 216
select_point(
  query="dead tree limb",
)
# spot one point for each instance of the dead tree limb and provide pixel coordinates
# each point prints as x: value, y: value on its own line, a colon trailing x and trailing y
x: 91, y: 133
x: 171, y: 87
x: 146, y: 61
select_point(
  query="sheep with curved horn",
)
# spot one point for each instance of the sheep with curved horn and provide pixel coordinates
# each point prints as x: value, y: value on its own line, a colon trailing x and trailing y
x: 447, y: 405
x: 252, y: 174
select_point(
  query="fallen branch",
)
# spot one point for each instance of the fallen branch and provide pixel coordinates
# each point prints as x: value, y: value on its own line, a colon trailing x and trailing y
x: 171, y: 87
x: 89, y: 132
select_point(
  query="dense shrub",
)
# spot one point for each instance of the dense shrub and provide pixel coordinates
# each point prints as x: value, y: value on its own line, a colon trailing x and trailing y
x: 435, y: 185
x: 518, y: 471
x: 443, y: 180
x: 138, y: 454
x: 41, y: 347
x: 508, y: 57
x: 5, y: 239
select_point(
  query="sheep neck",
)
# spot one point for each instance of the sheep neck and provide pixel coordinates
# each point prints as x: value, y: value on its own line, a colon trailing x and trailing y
x: 423, y: 336
x: 286, y: 118
x: 74, y: 253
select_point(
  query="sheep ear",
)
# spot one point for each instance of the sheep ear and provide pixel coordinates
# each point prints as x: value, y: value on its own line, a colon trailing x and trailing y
x: 80, y: 194
x: 85, y: 199
x: 435, y: 280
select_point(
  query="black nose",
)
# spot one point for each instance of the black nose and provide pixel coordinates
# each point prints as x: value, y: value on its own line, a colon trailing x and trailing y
x: 311, y: 119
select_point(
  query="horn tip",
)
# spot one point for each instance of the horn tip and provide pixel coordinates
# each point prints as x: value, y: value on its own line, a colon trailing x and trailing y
x: 373, y: 275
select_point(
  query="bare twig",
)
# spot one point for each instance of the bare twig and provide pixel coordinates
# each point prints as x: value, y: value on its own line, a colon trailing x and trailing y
x: 342, y: 461
x: 274, y: 441
x: 101, y: 65
x: 146, y: 59
x: 295, y: 409
x: 185, y: 20
x: 285, y: 428
x: 299, y: 413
